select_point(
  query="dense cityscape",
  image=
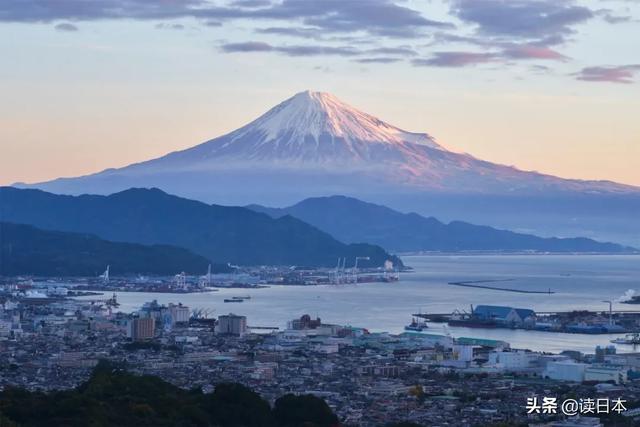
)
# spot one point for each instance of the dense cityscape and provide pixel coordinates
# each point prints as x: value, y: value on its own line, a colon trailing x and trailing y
x: 52, y: 342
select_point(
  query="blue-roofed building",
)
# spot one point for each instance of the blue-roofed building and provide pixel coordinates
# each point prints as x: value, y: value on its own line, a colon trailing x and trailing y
x: 504, y: 315
x: 525, y: 313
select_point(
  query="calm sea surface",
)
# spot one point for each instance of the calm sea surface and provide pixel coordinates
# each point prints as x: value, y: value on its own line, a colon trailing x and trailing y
x: 579, y: 282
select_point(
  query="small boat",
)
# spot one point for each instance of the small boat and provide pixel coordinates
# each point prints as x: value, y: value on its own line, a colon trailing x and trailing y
x: 242, y: 298
x: 416, y: 326
x: 631, y: 339
x: 233, y: 300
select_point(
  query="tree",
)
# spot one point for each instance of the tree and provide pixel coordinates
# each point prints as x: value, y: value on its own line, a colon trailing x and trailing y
x: 236, y: 405
x: 306, y: 410
x: 114, y: 397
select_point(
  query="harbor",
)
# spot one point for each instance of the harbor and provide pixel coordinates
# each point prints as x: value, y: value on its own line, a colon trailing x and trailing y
x: 576, y: 321
x: 577, y: 281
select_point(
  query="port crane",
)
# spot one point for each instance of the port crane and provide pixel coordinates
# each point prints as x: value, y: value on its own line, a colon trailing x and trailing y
x: 355, y: 267
x: 339, y: 272
x: 105, y: 276
x: 336, y: 278
x: 202, y: 313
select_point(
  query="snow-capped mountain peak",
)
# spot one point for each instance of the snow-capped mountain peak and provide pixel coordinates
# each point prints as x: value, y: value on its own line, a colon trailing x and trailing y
x: 315, y: 114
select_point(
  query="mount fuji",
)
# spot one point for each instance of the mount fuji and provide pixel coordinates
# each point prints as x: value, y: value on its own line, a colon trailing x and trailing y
x: 313, y: 144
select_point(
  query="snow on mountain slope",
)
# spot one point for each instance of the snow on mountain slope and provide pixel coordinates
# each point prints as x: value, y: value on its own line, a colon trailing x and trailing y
x: 320, y: 144
x: 312, y: 127
x: 316, y: 114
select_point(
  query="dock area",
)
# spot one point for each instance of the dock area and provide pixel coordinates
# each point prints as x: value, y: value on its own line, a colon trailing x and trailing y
x: 576, y: 321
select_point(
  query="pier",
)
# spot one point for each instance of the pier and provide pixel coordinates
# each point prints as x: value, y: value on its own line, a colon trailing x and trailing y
x: 576, y: 321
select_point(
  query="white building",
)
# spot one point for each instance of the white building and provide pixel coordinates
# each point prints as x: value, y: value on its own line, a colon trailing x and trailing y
x: 601, y: 373
x: 565, y: 371
x: 630, y: 360
x: 179, y: 313
x: 231, y: 324
x: 463, y: 352
x: 513, y: 360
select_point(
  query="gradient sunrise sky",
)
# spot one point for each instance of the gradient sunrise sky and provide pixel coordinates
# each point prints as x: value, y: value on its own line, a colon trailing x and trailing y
x: 546, y: 85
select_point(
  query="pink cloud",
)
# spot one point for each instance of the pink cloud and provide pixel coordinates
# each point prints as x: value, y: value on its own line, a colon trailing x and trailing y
x: 617, y: 74
x: 455, y: 59
x: 527, y: 51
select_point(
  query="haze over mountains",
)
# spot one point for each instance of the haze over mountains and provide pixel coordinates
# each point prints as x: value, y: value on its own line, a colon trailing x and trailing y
x: 219, y: 233
x: 313, y: 145
x: 352, y: 220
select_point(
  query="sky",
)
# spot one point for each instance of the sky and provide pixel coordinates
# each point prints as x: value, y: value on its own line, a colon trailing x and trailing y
x: 546, y: 85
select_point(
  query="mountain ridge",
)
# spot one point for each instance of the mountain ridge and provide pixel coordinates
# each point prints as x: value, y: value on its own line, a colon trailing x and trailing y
x: 350, y: 219
x: 219, y: 233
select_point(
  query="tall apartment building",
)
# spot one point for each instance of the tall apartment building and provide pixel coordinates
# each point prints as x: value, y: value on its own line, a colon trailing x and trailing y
x: 141, y: 328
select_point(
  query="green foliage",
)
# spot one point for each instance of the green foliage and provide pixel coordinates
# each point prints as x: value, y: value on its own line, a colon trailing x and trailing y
x: 114, y: 397
x: 306, y: 410
x: 6, y: 422
x: 236, y: 405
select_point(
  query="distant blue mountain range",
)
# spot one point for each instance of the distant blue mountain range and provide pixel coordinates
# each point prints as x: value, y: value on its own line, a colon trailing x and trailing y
x: 352, y: 220
x: 219, y: 233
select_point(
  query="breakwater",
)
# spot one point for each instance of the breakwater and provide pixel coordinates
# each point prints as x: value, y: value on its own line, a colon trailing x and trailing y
x: 481, y: 284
